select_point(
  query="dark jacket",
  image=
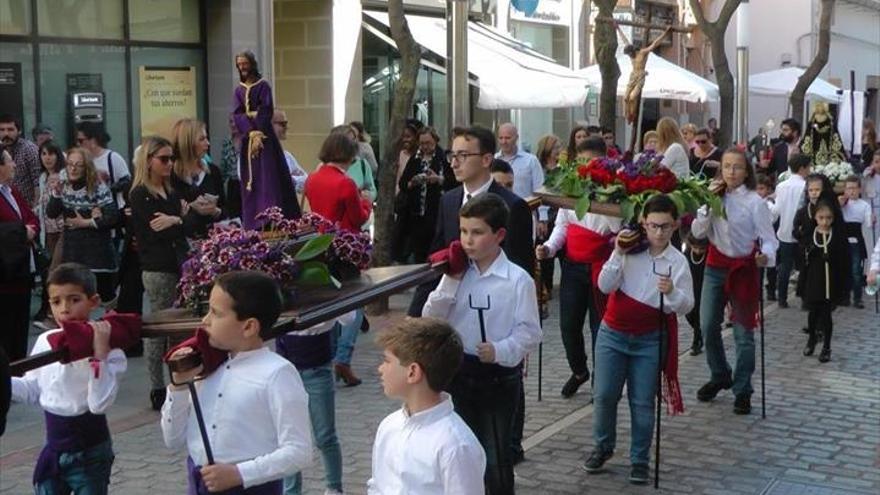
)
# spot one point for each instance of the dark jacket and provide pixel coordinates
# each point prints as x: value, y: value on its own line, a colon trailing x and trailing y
x: 519, y: 245
x: 212, y: 184
x: 815, y: 282
x: 15, y: 275
x: 161, y: 251
x: 779, y: 160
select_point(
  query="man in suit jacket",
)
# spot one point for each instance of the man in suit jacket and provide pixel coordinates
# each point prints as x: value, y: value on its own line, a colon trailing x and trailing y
x: 782, y: 150
x: 471, y: 156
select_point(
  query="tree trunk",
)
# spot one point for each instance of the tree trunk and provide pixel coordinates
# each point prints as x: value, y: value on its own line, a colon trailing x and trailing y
x: 798, y: 94
x: 725, y: 91
x: 605, y: 42
x: 714, y: 31
x: 404, y: 88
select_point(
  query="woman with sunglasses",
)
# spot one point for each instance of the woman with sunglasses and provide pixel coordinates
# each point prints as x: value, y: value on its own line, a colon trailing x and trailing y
x: 88, y: 209
x: 161, y: 221
x: 199, y: 184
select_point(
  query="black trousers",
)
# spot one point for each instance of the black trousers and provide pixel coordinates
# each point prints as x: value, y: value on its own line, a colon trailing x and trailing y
x: 697, y: 269
x: 819, y: 320
x: 486, y: 402
x: 131, y: 285
x: 16, y: 315
x: 575, y: 300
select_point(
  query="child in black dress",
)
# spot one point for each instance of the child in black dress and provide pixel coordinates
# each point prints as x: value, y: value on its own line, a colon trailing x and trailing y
x: 826, y: 275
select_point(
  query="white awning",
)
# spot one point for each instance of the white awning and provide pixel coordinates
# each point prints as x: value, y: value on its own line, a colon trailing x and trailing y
x: 663, y: 80
x: 510, y: 75
x: 781, y: 82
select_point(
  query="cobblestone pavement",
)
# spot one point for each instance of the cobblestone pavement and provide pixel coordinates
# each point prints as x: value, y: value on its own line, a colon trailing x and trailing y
x: 821, y: 435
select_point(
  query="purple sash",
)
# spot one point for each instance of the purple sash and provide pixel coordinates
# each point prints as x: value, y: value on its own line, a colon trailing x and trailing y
x: 68, y: 434
x: 195, y: 486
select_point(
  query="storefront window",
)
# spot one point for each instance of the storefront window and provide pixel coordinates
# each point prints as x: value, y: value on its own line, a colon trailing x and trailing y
x: 66, y: 69
x: 15, y: 17
x: 97, y: 19
x: 164, y: 20
x: 17, y: 69
x: 165, y: 58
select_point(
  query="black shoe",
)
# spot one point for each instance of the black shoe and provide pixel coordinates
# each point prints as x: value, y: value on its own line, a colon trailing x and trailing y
x: 574, y: 383
x: 742, y: 404
x: 859, y: 305
x: 708, y: 391
x: 825, y: 355
x: 783, y: 304
x: 845, y: 303
x: 157, y: 398
x: 810, y: 348
x: 697, y: 347
x: 771, y: 296
x: 639, y: 474
x: 805, y: 330
x: 596, y: 461
x: 517, y: 456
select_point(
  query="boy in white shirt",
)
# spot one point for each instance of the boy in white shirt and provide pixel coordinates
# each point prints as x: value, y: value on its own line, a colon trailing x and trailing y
x: 424, y: 447
x: 493, y: 307
x: 857, y: 224
x: 75, y: 395
x: 254, y: 406
x: 628, y: 347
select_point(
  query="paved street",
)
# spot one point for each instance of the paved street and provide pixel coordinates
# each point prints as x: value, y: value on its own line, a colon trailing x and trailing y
x: 821, y: 435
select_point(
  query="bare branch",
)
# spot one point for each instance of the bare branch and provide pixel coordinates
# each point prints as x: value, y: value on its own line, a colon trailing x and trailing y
x: 819, y: 61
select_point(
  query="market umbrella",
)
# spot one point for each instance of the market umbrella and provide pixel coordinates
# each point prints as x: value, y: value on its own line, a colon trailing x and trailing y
x: 781, y: 82
x: 664, y: 80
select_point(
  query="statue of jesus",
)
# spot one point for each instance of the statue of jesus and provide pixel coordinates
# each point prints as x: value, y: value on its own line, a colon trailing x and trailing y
x: 636, y: 82
x: 265, y: 178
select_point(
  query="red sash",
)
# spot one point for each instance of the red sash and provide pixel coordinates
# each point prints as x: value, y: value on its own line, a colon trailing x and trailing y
x: 583, y: 245
x: 741, y: 285
x: 627, y: 315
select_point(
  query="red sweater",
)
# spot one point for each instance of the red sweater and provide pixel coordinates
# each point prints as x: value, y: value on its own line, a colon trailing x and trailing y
x: 334, y: 196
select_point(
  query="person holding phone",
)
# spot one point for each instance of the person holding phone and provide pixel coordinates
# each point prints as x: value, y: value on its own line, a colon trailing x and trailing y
x: 199, y: 184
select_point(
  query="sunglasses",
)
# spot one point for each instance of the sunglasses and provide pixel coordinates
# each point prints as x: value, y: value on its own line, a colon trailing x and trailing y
x: 701, y: 141
x: 165, y: 159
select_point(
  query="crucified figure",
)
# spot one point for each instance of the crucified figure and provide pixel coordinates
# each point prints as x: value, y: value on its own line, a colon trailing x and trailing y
x: 637, y: 76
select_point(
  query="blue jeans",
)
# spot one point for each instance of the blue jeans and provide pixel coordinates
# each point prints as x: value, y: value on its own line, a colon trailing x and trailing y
x: 344, y: 338
x: 711, y: 313
x: 318, y: 383
x: 632, y: 359
x: 784, y: 264
x: 858, y: 273
x: 86, y: 472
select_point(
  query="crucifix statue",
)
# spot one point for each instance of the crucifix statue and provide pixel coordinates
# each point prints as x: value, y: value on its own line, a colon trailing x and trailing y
x: 639, y: 58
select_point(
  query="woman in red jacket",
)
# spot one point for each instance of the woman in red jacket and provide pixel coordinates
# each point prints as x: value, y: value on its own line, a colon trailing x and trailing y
x: 334, y: 195
x: 19, y: 228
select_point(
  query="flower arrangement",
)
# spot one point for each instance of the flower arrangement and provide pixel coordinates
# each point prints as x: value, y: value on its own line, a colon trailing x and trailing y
x: 835, y: 171
x: 628, y: 183
x: 278, y: 250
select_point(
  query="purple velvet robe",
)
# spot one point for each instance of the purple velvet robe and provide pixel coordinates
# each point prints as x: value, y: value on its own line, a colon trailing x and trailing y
x: 271, y: 184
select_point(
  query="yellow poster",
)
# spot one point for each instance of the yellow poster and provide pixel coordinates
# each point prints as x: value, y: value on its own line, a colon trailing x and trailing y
x: 168, y: 94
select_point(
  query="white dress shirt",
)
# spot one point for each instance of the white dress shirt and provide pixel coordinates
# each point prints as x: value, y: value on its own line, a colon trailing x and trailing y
x: 427, y: 453
x: 748, y: 219
x: 512, y: 324
x: 297, y: 173
x: 675, y: 158
x: 470, y: 194
x: 875, y: 258
x: 789, y: 195
x: 256, y: 413
x: 70, y: 389
x: 859, y: 211
x: 601, y: 224
x: 528, y: 176
x: 634, y: 275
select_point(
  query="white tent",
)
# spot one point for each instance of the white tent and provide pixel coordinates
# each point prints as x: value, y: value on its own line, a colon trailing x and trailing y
x: 781, y: 82
x: 509, y: 74
x: 664, y: 80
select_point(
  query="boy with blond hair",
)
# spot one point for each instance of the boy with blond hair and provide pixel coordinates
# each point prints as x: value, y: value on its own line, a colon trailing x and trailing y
x: 424, y: 447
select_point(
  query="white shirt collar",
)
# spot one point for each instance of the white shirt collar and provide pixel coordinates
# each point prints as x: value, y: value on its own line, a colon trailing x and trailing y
x: 431, y: 414
x: 485, y: 187
x: 499, y: 267
x: 742, y: 189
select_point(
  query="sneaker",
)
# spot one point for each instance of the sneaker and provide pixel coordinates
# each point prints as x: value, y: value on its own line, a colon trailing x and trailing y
x: 574, y: 383
x: 825, y: 355
x: 639, y: 474
x: 708, y: 391
x: 332, y: 492
x: 596, y: 461
x: 742, y: 404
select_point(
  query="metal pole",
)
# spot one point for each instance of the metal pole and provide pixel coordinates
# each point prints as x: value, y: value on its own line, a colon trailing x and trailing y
x: 457, y: 91
x: 742, y: 73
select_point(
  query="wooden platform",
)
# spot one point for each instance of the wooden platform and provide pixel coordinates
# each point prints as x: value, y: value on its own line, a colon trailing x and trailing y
x: 555, y: 200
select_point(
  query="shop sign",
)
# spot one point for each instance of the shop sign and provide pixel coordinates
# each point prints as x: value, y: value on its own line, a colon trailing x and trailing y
x: 557, y: 12
x: 167, y: 94
x: 11, y: 100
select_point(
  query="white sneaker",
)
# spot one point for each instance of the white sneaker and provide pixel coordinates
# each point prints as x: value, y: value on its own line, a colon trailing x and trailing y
x: 332, y: 492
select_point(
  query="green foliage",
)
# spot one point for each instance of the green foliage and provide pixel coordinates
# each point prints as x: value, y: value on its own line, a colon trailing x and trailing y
x: 314, y: 247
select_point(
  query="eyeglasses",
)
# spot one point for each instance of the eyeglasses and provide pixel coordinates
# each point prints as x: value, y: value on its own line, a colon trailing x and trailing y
x: 165, y: 158
x: 76, y: 165
x: 659, y: 227
x: 701, y: 141
x: 459, y: 155
x: 282, y: 123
